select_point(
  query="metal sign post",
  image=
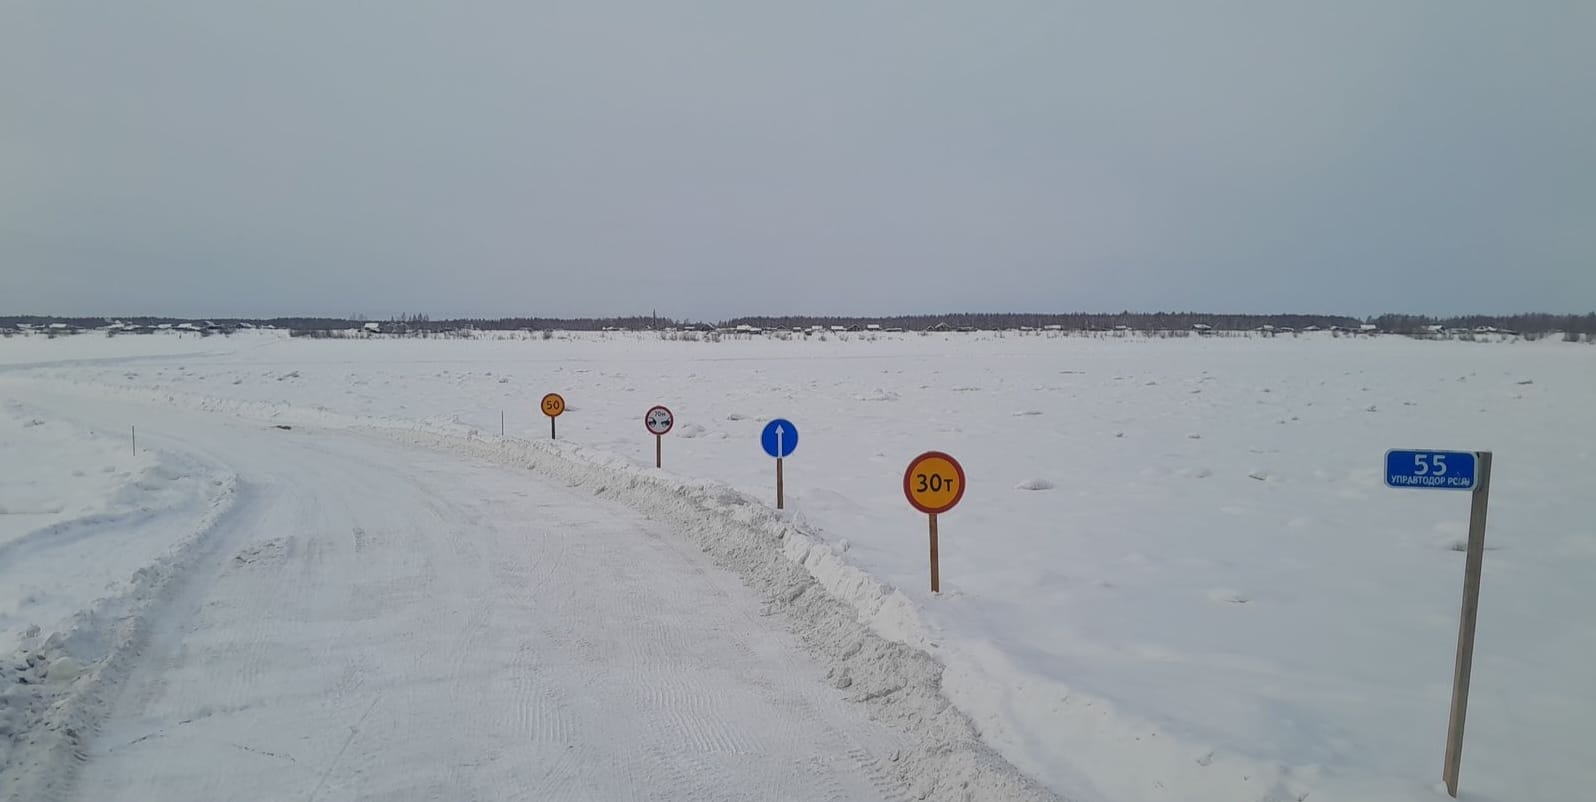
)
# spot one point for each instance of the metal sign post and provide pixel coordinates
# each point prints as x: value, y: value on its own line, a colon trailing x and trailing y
x: 553, y: 406
x: 1454, y: 470
x: 779, y: 439
x: 934, y: 484
x: 658, y: 420
x: 1474, y: 565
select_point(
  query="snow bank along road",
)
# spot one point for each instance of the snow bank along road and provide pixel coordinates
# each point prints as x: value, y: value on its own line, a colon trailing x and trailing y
x: 371, y: 620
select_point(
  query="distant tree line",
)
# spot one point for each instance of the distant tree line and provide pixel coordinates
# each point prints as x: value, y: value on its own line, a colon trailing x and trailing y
x: 1169, y: 321
x: 1138, y: 321
x: 417, y: 322
x: 1141, y: 321
x: 1524, y: 324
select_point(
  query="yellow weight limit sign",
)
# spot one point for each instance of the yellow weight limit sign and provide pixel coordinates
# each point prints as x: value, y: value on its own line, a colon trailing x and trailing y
x: 934, y: 484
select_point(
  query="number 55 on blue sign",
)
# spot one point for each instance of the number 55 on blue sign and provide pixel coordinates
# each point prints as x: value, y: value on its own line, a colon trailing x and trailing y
x: 1433, y: 470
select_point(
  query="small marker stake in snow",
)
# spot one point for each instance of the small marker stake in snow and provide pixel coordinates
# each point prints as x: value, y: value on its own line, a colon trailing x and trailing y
x: 934, y: 483
x: 779, y: 439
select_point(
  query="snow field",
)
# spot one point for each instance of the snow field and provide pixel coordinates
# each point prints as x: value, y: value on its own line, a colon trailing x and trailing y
x: 83, y: 553
x: 1216, y: 599
x: 83, y: 498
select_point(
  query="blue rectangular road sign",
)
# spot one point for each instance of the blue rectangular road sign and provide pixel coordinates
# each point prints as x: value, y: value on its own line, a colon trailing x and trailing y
x: 1435, y: 470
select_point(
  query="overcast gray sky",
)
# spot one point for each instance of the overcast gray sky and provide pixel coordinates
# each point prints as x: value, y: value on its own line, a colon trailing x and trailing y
x: 711, y: 159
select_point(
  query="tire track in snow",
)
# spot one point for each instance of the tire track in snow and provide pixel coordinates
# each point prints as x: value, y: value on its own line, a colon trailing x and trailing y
x: 559, y: 780
x: 536, y: 711
x: 685, y: 775
x: 354, y: 732
x: 888, y: 784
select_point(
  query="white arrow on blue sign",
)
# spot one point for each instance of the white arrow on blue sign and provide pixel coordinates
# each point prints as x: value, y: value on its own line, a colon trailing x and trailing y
x: 1431, y: 470
x: 780, y: 438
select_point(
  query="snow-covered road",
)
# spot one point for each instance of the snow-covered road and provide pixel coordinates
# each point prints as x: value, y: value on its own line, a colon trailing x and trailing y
x: 375, y: 621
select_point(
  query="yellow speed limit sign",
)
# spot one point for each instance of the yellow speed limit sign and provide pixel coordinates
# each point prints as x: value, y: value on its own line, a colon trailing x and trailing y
x: 553, y: 405
x: 934, y: 482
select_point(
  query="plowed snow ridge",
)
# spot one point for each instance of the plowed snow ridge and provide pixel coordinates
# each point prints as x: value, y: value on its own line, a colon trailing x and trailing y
x: 831, y: 605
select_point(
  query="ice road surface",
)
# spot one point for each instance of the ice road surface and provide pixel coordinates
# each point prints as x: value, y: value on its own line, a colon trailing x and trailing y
x: 1176, y: 574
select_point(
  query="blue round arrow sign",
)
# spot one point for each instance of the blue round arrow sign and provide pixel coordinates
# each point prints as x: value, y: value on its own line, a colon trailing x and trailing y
x: 780, y: 438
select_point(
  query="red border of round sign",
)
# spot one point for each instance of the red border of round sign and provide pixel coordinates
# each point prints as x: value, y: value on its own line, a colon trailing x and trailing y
x: 546, y: 398
x: 667, y: 412
x: 908, y: 475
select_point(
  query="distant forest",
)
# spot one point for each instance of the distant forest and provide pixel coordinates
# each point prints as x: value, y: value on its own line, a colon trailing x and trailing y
x: 1137, y: 321
x: 1170, y: 321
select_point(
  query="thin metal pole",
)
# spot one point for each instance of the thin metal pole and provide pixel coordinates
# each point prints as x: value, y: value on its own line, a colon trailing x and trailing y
x: 779, y: 499
x: 1465, y: 635
x: 658, y: 447
x: 936, y: 571
x: 551, y: 428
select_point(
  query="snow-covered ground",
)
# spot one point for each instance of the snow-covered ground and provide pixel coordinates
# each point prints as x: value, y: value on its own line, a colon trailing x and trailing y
x: 80, y: 513
x: 374, y: 621
x: 1175, y: 575
x: 90, y: 533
